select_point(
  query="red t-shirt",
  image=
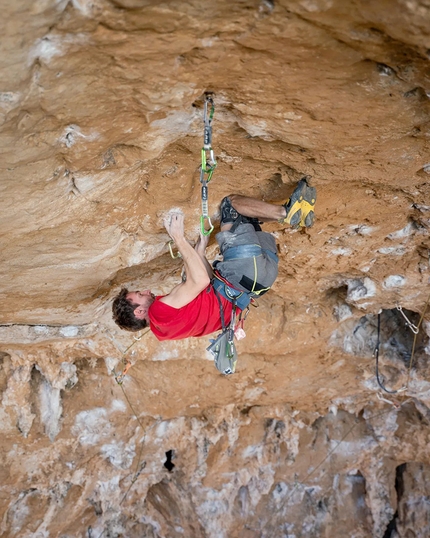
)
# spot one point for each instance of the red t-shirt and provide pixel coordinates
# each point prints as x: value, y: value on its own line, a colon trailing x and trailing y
x: 200, y: 317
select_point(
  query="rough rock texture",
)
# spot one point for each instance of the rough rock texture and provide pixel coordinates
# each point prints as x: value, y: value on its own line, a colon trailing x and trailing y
x: 101, y: 128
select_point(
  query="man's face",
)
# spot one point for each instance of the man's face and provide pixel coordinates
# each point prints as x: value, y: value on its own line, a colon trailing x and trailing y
x: 143, y: 299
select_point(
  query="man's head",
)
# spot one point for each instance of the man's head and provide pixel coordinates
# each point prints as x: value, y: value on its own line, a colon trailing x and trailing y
x: 130, y: 309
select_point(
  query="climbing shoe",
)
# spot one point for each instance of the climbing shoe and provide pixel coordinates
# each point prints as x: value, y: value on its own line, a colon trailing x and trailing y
x: 300, y: 206
x: 228, y: 213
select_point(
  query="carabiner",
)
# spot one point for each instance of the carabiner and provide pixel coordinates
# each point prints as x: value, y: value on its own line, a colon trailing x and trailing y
x: 208, y: 165
x: 202, y: 225
x: 178, y: 255
x: 119, y: 378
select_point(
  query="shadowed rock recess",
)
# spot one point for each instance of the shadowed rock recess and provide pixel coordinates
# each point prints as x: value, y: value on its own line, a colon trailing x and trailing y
x: 101, y: 108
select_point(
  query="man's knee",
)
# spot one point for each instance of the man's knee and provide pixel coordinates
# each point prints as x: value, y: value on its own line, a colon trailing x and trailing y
x: 232, y: 198
x: 228, y: 200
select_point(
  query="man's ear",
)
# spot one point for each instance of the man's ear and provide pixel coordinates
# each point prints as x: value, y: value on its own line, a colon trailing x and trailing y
x: 140, y: 312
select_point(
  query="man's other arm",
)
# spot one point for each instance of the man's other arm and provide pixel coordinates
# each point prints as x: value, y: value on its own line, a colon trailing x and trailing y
x: 195, y: 268
x: 200, y: 248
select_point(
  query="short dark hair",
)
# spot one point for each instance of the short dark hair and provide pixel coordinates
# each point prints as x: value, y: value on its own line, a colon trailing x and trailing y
x: 123, y: 313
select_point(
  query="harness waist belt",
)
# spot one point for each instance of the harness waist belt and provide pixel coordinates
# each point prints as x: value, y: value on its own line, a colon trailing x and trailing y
x: 248, y: 251
x: 241, y: 297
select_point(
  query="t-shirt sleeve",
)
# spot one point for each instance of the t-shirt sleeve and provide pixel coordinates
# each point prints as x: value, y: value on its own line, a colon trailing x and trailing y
x: 160, y: 316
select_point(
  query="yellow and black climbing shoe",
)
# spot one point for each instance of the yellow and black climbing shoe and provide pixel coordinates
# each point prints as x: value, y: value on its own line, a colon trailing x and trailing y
x: 300, y: 207
x: 308, y: 207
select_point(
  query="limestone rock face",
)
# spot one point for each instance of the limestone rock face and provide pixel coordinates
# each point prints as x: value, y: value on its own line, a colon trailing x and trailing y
x: 101, y: 108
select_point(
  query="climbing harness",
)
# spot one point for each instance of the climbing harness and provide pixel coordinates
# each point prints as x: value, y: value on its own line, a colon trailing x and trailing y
x: 208, y: 162
x: 229, y: 292
x: 222, y: 347
x: 241, y: 299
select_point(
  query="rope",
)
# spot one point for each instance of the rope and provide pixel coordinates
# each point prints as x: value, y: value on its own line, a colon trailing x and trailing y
x: 330, y: 453
x: 397, y: 405
x: 119, y: 378
x: 140, y: 465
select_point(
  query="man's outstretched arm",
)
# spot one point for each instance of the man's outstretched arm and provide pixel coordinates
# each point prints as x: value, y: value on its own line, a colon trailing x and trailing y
x: 195, y: 268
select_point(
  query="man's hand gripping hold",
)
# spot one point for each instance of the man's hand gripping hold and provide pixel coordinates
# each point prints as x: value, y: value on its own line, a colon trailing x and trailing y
x: 197, y: 277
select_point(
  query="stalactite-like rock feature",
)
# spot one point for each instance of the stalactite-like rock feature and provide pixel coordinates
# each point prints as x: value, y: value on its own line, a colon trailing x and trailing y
x: 101, y: 128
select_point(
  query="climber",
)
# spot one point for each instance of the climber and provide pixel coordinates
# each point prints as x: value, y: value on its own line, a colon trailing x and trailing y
x: 248, y: 269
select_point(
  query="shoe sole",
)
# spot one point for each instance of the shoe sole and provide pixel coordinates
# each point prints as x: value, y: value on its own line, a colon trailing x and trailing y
x: 293, y: 207
x: 300, y: 207
x: 308, y: 205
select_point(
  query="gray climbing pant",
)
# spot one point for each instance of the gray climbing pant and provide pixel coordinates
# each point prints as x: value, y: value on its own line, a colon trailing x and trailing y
x: 249, y: 260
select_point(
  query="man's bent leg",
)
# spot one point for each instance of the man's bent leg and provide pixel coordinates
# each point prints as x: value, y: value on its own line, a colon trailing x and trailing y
x: 297, y: 211
x: 251, y: 207
x: 230, y: 218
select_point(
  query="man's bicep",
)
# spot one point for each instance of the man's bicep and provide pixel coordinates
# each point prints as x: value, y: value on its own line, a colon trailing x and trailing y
x: 183, y: 294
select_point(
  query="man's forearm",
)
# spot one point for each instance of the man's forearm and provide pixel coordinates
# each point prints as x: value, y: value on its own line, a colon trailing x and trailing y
x: 196, y: 266
x: 208, y: 266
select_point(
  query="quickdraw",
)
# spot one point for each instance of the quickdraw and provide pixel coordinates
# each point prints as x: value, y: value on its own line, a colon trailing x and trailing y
x: 207, y: 168
x: 415, y: 329
x: 208, y: 163
x: 409, y: 323
x: 119, y: 377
